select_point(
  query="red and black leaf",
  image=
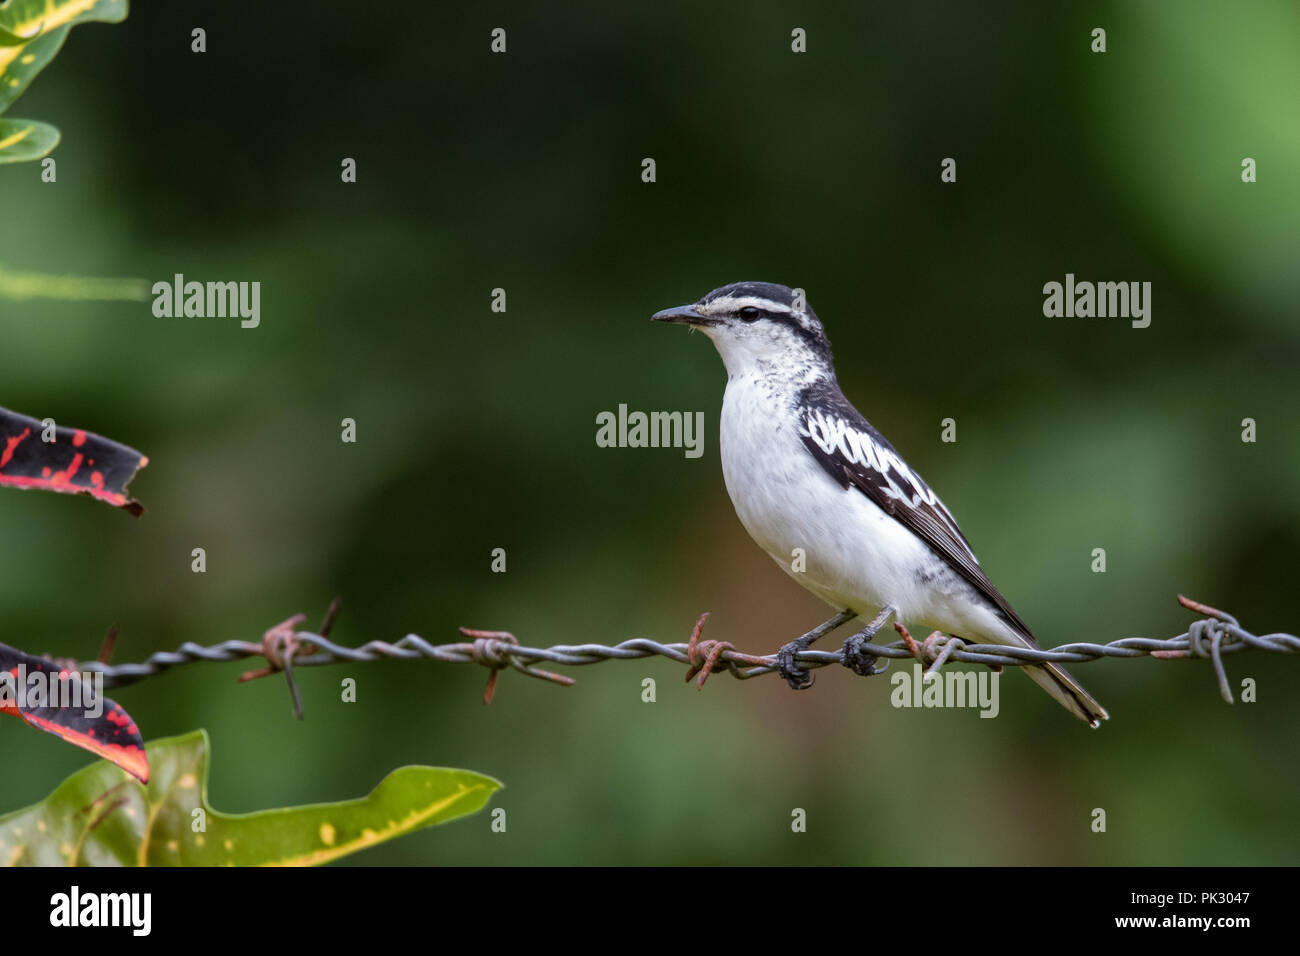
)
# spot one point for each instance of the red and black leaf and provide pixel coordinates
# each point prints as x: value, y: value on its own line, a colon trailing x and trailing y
x: 95, y: 723
x: 74, y: 462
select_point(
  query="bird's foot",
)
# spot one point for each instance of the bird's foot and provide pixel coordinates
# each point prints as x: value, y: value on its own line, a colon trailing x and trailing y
x: 784, y: 663
x: 855, y: 656
x: 860, y: 660
x: 799, y: 678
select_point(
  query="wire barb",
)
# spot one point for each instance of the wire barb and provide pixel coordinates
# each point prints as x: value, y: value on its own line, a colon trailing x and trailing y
x: 284, y: 648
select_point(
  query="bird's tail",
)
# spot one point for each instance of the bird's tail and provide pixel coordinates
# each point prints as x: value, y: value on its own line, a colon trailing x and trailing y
x: 1068, y: 692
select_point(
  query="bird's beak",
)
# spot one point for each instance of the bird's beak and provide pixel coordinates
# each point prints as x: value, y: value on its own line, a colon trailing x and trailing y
x: 683, y: 315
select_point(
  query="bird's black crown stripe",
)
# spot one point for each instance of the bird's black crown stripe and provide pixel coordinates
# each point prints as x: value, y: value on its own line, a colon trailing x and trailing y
x: 762, y: 290
x: 813, y: 335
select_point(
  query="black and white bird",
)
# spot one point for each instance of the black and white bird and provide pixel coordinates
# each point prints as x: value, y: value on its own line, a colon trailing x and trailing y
x: 806, y: 471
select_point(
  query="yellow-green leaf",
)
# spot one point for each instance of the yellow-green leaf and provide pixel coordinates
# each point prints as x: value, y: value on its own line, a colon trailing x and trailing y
x: 23, y: 140
x: 100, y: 816
x: 42, y: 26
x: 13, y: 39
x: 33, y: 18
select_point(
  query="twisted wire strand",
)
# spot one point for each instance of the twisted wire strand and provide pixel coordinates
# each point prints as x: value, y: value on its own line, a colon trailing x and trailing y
x: 284, y: 648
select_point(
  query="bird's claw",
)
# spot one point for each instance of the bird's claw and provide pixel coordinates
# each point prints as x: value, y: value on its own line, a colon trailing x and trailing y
x: 799, y: 678
x: 860, y: 660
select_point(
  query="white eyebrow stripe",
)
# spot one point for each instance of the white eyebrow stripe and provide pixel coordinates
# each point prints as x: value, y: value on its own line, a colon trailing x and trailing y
x: 730, y: 303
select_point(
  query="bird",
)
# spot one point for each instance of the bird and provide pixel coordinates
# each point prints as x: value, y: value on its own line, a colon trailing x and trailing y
x: 805, y: 470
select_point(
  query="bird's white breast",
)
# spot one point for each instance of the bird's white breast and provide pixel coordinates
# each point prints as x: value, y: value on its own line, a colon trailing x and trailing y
x: 856, y: 555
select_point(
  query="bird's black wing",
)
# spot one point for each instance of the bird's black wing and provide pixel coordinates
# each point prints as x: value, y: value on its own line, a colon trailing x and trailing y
x: 856, y: 455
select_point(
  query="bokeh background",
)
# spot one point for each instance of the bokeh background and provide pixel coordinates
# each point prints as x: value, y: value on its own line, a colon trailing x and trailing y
x: 476, y: 429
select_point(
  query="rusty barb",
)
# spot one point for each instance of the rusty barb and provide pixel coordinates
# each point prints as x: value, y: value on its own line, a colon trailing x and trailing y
x: 282, y: 643
x: 285, y: 647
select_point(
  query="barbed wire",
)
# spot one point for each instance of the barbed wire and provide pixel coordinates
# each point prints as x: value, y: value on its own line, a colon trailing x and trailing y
x: 284, y: 648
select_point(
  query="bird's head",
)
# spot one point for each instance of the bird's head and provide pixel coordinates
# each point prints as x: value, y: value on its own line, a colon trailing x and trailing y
x: 759, y: 327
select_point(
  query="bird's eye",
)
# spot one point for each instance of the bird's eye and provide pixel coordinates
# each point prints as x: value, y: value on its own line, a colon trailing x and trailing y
x: 749, y: 313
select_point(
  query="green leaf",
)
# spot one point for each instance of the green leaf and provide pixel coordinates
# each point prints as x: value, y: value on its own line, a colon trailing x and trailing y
x: 19, y: 64
x: 13, y: 39
x: 23, y: 140
x: 44, y: 24
x: 101, y: 816
x: 33, y: 18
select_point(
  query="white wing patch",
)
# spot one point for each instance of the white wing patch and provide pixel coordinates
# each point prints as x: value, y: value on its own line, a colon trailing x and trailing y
x: 889, y: 473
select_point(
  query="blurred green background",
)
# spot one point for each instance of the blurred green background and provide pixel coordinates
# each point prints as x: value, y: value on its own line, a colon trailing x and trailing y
x: 476, y: 429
